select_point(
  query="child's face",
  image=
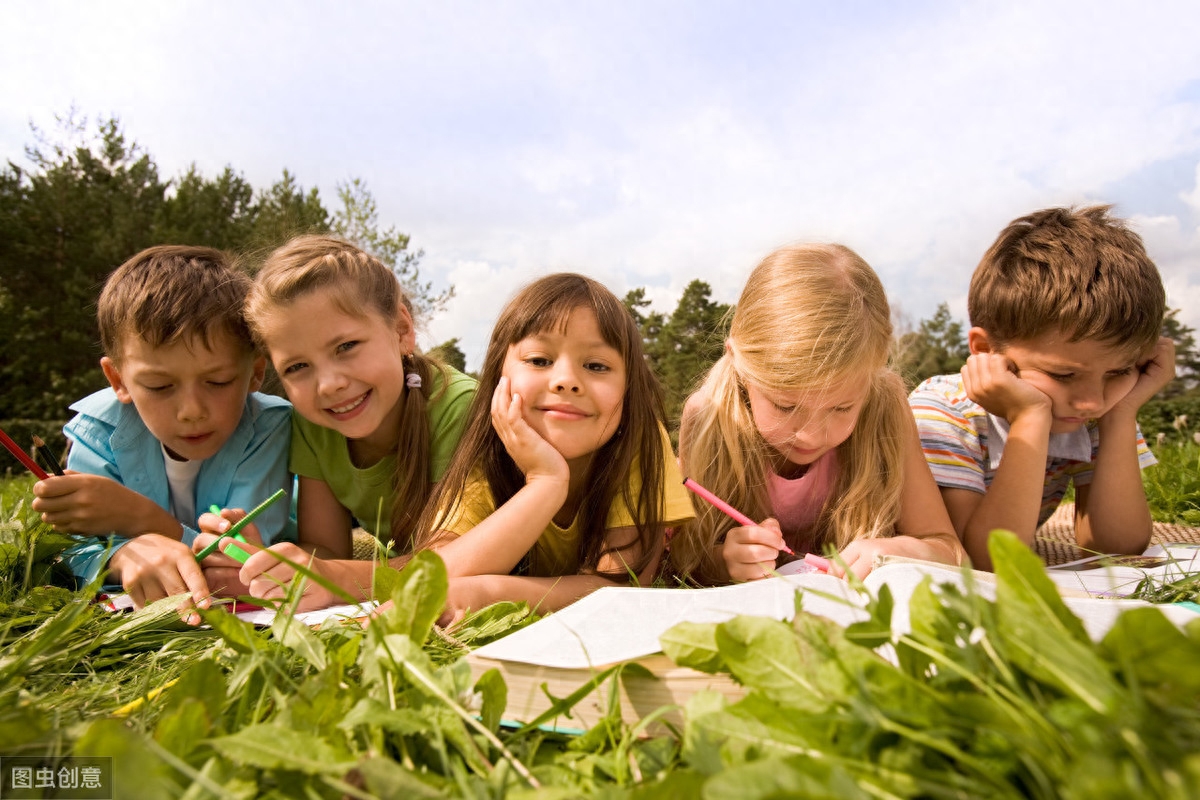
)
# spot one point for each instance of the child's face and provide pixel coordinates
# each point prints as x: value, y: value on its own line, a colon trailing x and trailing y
x: 571, y: 383
x: 190, y: 396
x: 1082, y: 379
x: 341, y: 371
x: 803, y: 425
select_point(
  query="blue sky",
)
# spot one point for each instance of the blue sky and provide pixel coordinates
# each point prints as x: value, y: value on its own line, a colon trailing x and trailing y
x: 648, y: 144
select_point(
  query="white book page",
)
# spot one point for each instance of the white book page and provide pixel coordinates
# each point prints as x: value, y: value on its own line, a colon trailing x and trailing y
x: 266, y: 616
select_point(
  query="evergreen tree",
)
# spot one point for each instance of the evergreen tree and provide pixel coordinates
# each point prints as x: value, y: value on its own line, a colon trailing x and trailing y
x: 691, y: 340
x: 449, y: 352
x: 937, y: 347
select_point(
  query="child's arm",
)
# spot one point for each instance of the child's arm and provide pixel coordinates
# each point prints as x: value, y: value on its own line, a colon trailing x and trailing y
x: 498, y: 543
x: 551, y: 594
x: 322, y: 520
x: 95, y: 505
x: 1111, y: 514
x: 923, y: 529
x: 1014, y: 498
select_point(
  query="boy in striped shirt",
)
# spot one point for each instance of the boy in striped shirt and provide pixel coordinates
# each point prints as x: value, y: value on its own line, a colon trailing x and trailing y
x: 1066, y: 312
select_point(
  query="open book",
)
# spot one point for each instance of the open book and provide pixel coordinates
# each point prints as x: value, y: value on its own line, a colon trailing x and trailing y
x: 616, y: 625
x: 1119, y: 575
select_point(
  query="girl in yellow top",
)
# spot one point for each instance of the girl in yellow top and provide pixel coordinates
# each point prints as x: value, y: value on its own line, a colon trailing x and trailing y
x: 564, y: 480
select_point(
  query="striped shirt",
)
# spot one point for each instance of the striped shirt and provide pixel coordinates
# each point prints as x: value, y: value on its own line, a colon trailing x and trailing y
x: 954, y: 436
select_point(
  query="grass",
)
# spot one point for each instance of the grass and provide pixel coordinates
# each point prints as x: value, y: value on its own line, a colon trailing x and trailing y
x: 1173, y: 487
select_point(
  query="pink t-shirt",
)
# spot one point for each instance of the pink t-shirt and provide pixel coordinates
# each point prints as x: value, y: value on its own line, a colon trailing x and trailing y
x: 796, y: 503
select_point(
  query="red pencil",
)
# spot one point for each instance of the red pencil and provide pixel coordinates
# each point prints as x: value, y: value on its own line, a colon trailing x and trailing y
x: 22, y: 456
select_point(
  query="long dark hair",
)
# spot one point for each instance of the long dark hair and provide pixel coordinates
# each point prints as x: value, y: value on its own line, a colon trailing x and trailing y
x: 545, y: 305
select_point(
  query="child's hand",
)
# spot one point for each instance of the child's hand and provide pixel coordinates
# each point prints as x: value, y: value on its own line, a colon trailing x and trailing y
x: 152, y: 567
x: 1156, y: 369
x: 750, y: 552
x: 79, y: 502
x: 468, y: 593
x: 534, y: 456
x: 269, y: 578
x: 991, y: 380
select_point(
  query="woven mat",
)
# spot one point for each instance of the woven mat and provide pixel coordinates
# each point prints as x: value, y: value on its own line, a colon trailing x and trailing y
x: 1055, y: 541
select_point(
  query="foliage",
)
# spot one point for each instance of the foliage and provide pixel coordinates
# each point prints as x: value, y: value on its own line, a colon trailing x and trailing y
x: 91, y: 199
x: 1173, y: 485
x: 681, y: 347
x: 999, y: 699
x: 936, y: 347
x: 449, y: 352
x: 1187, y: 357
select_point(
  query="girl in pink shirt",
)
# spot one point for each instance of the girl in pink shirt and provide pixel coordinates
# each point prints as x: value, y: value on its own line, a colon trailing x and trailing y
x: 803, y: 425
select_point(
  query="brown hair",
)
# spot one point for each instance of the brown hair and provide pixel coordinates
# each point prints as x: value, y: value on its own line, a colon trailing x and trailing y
x: 810, y: 317
x: 546, y: 305
x: 359, y: 284
x: 1078, y: 271
x: 169, y: 293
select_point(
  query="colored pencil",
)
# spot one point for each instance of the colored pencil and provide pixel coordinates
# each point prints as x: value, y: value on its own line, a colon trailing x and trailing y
x: 241, y: 523
x: 724, y: 507
x: 22, y: 456
x: 51, y: 461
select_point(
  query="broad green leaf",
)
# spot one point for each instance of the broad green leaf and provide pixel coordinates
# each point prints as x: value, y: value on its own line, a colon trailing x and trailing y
x: 693, y: 644
x: 1039, y: 632
x: 268, y: 746
x: 239, y: 635
x: 384, y: 580
x: 418, y: 598
x: 298, y: 637
x: 763, y: 655
x: 203, y: 681
x: 374, y: 714
x: 776, y: 778
x: 876, y: 630
x: 137, y: 772
x: 385, y: 778
x: 183, y: 727
x: 1145, y: 642
x: 494, y: 691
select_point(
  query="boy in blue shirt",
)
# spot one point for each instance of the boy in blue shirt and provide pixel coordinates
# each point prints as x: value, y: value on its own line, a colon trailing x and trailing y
x: 180, y: 428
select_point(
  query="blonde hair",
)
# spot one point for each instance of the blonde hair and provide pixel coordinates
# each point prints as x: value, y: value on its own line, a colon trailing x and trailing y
x: 172, y: 293
x: 1079, y: 271
x: 546, y: 304
x: 358, y: 284
x: 811, y: 317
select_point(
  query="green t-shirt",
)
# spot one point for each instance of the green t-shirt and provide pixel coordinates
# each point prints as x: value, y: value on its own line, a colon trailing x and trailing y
x: 322, y: 453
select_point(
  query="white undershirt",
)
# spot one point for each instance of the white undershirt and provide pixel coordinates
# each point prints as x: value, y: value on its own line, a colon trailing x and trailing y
x: 181, y: 478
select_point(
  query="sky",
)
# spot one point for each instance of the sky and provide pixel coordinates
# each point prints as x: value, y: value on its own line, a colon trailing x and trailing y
x: 648, y: 144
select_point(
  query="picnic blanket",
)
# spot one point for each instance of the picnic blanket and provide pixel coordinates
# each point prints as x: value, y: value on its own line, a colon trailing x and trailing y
x: 1055, y: 540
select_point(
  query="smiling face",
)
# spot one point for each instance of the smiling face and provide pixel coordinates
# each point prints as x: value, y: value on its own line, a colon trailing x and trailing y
x: 190, y: 396
x: 1082, y: 379
x: 342, y: 371
x: 801, y: 426
x: 571, y: 383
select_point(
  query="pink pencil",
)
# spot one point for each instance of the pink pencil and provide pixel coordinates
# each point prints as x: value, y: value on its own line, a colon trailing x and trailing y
x: 724, y: 507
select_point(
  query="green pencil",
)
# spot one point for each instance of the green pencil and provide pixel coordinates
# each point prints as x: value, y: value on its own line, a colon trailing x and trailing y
x: 241, y: 523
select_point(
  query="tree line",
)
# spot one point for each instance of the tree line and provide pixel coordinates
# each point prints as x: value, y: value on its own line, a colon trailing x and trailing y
x: 89, y: 198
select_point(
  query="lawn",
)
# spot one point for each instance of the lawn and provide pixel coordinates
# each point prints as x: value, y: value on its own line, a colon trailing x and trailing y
x: 982, y: 699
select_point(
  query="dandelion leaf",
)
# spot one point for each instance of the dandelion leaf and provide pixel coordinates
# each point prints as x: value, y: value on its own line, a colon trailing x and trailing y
x: 693, y: 644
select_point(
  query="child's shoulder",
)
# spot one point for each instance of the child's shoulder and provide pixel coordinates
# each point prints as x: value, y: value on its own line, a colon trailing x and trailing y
x: 102, y: 405
x: 946, y: 389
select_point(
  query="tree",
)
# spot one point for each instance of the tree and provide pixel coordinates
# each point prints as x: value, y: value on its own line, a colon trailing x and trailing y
x: 213, y: 213
x: 357, y: 221
x: 689, y: 342
x: 937, y: 347
x: 79, y: 212
x: 286, y: 210
x: 449, y: 352
x: 1187, y: 359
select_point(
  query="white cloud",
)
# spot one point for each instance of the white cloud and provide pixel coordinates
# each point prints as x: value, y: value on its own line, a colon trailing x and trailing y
x: 644, y: 145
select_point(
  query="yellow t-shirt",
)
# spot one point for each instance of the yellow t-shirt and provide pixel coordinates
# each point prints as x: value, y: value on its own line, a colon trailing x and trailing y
x: 556, y: 551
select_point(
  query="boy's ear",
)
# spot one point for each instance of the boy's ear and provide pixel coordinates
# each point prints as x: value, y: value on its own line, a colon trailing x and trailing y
x: 979, y: 342
x: 406, y: 330
x: 114, y: 379
x: 260, y: 372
